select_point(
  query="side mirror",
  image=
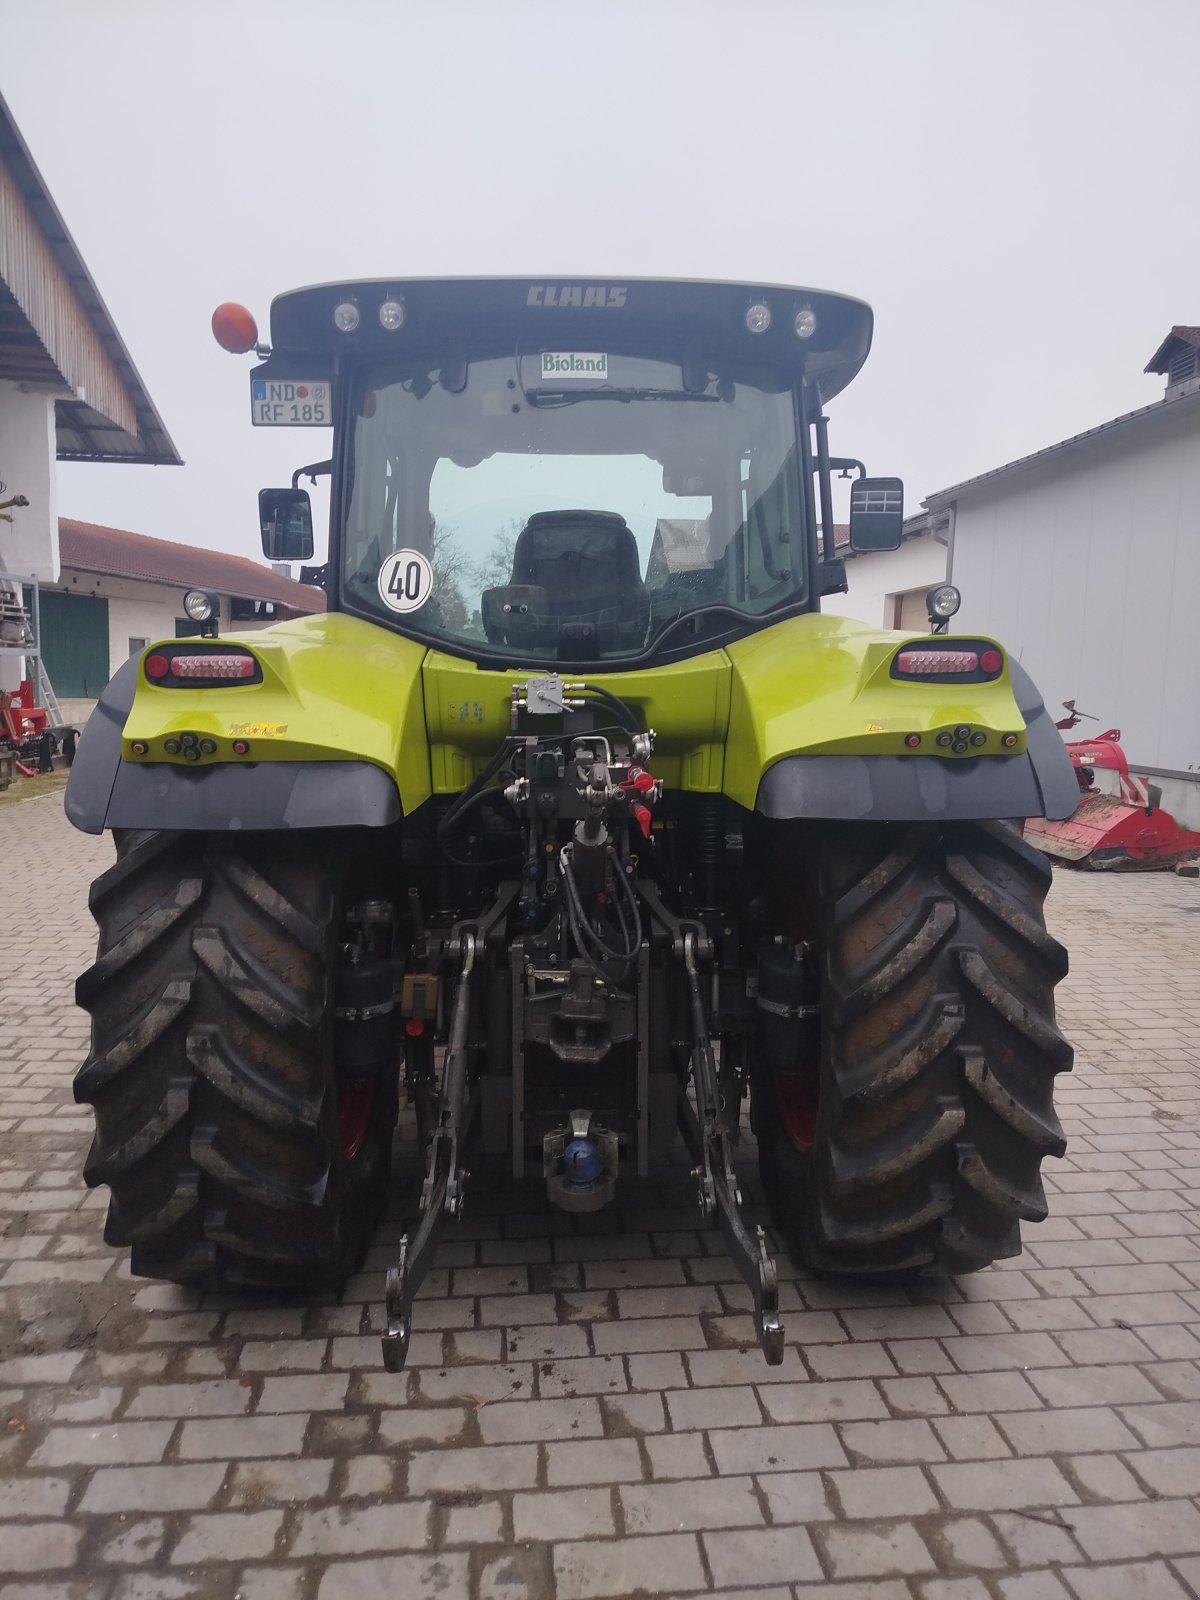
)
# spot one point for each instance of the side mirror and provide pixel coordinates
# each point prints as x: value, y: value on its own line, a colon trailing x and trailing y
x: 285, y: 518
x: 876, y: 514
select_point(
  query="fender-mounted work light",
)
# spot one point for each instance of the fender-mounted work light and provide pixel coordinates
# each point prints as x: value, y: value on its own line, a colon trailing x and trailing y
x: 942, y: 603
x: 204, y: 608
x: 200, y: 605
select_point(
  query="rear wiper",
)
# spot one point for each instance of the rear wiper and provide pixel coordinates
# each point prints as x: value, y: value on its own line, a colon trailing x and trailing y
x: 568, y: 397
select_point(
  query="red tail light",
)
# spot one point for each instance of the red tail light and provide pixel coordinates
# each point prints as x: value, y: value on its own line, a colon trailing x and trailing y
x: 170, y: 669
x: 922, y: 661
x: 228, y: 666
x: 928, y: 661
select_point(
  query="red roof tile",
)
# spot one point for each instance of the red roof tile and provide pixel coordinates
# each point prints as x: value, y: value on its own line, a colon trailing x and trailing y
x: 121, y: 554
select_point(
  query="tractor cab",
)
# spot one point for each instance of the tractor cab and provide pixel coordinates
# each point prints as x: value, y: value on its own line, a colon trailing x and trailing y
x: 581, y: 474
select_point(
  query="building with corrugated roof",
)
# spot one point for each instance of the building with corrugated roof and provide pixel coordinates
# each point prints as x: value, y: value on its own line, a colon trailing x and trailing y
x: 118, y: 591
x: 69, y: 390
x: 1084, y: 560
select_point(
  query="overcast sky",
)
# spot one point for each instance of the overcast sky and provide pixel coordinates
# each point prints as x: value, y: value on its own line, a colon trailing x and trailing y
x: 1010, y: 183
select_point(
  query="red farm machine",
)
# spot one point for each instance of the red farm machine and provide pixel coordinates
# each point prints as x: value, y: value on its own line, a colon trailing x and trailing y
x: 1126, y: 831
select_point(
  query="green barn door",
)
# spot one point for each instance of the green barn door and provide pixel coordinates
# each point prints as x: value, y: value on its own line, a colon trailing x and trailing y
x: 75, y: 643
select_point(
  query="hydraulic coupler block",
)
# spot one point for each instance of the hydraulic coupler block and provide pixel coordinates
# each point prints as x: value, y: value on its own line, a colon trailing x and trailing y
x: 580, y: 1165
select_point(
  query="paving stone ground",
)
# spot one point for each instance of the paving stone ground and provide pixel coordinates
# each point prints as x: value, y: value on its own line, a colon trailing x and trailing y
x: 585, y: 1414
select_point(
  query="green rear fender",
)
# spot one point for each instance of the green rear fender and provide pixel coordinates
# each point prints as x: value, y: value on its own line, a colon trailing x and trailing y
x: 819, y: 727
x: 334, y: 689
x: 800, y: 720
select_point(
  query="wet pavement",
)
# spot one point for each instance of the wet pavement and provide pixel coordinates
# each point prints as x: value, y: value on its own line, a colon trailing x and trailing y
x: 584, y: 1413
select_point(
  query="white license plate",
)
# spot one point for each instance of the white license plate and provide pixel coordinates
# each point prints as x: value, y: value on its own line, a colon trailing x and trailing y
x: 290, y: 403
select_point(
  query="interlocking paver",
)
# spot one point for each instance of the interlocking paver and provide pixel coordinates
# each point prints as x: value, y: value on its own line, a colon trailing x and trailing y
x: 760, y: 1555
x: 594, y: 1461
x: 153, y: 1488
x: 1152, y: 1527
x: 126, y: 1444
x: 711, y: 1503
x: 1038, y: 1433
x: 586, y: 1411
x: 653, y: 1563
x: 227, y: 1536
x: 355, y: 1530
x: 986, y: 1486
x: 862, y: 1552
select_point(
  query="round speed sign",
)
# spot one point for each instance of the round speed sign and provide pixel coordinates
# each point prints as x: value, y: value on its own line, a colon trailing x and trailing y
x: 405, y: 580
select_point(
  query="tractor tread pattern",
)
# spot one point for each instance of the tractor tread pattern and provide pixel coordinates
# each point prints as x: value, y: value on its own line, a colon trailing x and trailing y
x: 940, y: 1053
x: 211, y: 1005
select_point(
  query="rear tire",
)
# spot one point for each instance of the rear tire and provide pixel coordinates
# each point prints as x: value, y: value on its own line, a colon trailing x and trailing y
x: 211, y: 1068
x: 938, y: 1057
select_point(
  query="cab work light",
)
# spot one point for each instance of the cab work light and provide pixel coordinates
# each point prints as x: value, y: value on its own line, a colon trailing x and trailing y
x: 970, y: 661
x: 171, y: 668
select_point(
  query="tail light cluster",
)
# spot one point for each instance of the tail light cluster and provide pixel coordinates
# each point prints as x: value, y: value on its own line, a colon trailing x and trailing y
x: 193, y: 667
x: 963, y: 661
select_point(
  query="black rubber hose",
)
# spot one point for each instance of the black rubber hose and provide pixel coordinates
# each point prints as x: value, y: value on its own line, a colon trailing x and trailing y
x: 465, y: 799
x: 624, y: 711
x: 586, y: 933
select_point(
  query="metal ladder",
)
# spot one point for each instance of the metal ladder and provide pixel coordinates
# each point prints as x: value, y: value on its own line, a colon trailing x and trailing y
x: 14, y: 610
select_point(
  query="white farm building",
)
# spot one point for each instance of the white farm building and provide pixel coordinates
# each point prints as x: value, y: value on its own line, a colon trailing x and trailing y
x: 1084, y: 559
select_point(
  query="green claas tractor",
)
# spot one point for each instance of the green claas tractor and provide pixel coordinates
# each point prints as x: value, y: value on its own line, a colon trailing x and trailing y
x: 571, y: 819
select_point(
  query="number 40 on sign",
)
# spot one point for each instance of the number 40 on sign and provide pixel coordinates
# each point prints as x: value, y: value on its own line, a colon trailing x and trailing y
x: 405, y: 580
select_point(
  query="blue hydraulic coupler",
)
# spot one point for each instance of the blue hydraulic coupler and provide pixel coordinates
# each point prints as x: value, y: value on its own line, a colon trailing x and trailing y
x: 581, y: 1163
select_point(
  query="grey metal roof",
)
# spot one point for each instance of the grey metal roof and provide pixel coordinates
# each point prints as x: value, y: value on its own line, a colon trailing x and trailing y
x: 46, y: 315
x: 1174, y: 405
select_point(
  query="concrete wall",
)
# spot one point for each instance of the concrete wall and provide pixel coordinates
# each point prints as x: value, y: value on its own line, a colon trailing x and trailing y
x: 1088, y: 569
x: 875, y: 578
x: 29, y: 543
x: 1180, y: 796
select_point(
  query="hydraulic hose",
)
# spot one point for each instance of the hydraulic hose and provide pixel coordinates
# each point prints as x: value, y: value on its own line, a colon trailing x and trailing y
x: 592, y: 944
x: 456, y: 810
x: 622, y: 710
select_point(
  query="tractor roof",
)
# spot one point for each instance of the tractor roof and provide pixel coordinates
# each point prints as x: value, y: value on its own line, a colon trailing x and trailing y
x: 582, y: 314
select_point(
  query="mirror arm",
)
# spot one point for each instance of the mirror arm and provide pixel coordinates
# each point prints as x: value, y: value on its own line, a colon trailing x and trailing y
x: 314, y: 470
x: 844, y: 465
x: 828, y: 536
x: 831, y: 578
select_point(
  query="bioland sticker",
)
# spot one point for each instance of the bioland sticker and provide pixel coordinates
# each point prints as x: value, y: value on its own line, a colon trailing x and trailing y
x: 574, y: 364
x: 405, y: 581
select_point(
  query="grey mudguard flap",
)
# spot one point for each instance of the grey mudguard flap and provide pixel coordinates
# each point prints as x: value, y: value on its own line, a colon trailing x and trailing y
x: 258, y: 795
x: 106, y: 792
x: 1039, y: 783
x: 98, y: 753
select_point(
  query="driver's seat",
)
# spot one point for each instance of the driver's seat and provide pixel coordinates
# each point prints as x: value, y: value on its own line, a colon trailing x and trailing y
x: 587, y: 564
